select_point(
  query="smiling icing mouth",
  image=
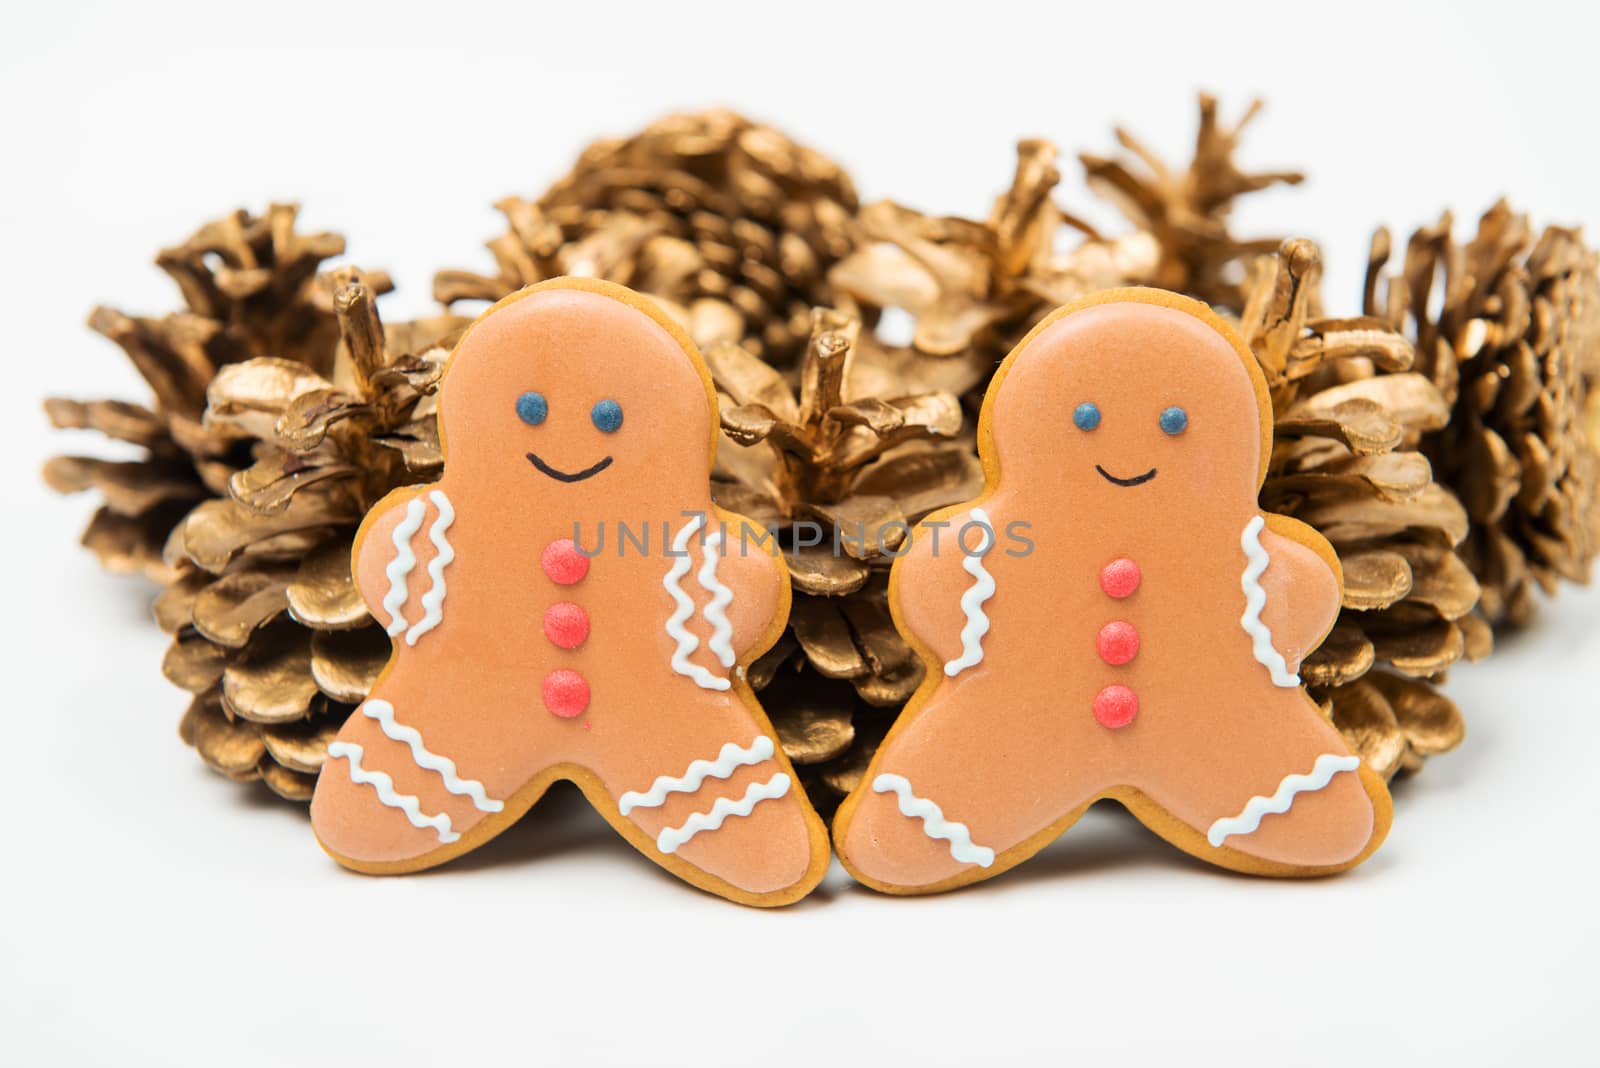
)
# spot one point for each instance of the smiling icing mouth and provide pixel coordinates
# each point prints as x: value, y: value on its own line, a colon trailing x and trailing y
x: 563, y: 476
x: 1136, y: 480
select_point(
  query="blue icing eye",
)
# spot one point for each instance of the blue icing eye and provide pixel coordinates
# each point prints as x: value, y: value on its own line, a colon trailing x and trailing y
x: 607, y: 416
x: 1174, y: 420
x: 1086, y: 416
x: 531, y: 408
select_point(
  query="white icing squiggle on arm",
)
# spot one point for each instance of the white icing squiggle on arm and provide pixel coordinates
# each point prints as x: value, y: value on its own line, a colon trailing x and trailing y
x: 729, y: 760
x: 388, y: 795
x: 433, y: 600
x: 423, y: 757
x: 1255, y: 599
x: 934, y: 825
x: 687, y: 643
x: 400, y: 567
x: 670, y: 839
x: 982, y: 588
x: 1327, y: 766
x: 721, y: 642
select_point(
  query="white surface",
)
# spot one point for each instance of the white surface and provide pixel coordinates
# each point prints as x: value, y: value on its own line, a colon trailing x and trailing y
x: 154, y: 914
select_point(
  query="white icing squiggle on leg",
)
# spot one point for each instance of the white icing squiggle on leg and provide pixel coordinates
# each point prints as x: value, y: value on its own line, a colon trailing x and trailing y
x: 721, y: 642
x: 1327, y: 766
x: 387, y: 794
x: 400, y: 567
x: 670, y: 839
x: 1255, y: 599
x: 433, y: 600
x: 982, y: 588
x: 729, y: 760
x: 687, y: 643
x: 423, y: 757
x: 934, y: 825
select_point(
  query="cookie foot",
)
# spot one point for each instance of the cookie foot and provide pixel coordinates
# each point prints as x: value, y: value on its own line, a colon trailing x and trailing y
x: 892, y: 837
x: 739, y: 818
x: 1324, y: 817
x: 759, y: 841
x: 385, y: 801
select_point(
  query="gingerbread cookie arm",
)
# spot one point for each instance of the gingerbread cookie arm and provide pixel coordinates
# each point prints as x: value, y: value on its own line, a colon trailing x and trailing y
x: 748, y: 585
x: 1302, y: 584
x: 392, y: 552
x: 386, y: 560
x: 949, y: 627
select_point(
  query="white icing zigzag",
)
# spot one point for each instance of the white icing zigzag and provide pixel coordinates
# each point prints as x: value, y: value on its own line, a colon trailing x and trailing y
x: 387, y: 794
x: 444, y: 767
x: 1327, y: 766
x: 730, y: 759
x: 934, y: 825
x: 670, y: 839
x: 721, y: 642
x: 687, y: 643
x: 400, y: 567
x: 981, y: 590
x: 1255, y: 599
x: 433, y: 600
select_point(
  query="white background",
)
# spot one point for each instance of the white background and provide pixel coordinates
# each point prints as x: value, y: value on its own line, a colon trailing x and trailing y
x: 151, y: 913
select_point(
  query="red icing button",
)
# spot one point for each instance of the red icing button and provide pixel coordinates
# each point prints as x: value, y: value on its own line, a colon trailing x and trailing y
x: 563, y: 562
x: 1115, y: 706
x: 566, y: 624
x: 566, y: 693
x: 1117, y: 642
x: 1120, y: 578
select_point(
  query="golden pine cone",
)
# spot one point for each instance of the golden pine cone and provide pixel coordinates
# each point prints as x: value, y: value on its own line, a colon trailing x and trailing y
x: 1187, y: 211
x: 846, y: 452
x: 973, y: 288
x: 1514, y: 347
x: 1349, y: 413
x: 727, y: 222
x: 270, y: 633
x: 249, y: 289
x: 282, y: 410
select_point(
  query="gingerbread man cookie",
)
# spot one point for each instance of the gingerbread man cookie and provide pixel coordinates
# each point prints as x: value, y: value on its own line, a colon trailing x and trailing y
x: 567, y: 603
x: 1115, y: 618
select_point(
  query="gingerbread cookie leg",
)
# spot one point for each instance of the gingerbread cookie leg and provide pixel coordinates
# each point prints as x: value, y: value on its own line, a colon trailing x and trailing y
x: 1293, y: 800
x: 393, y: 795
x: 732, y: 816
x: 927, y: 818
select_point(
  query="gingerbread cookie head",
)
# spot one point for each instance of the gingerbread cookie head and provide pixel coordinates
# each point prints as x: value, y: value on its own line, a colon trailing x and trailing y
x: 570, y: 387
x: 568, y: 603
x: 1150, y: 407
x: 1129, y: 626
